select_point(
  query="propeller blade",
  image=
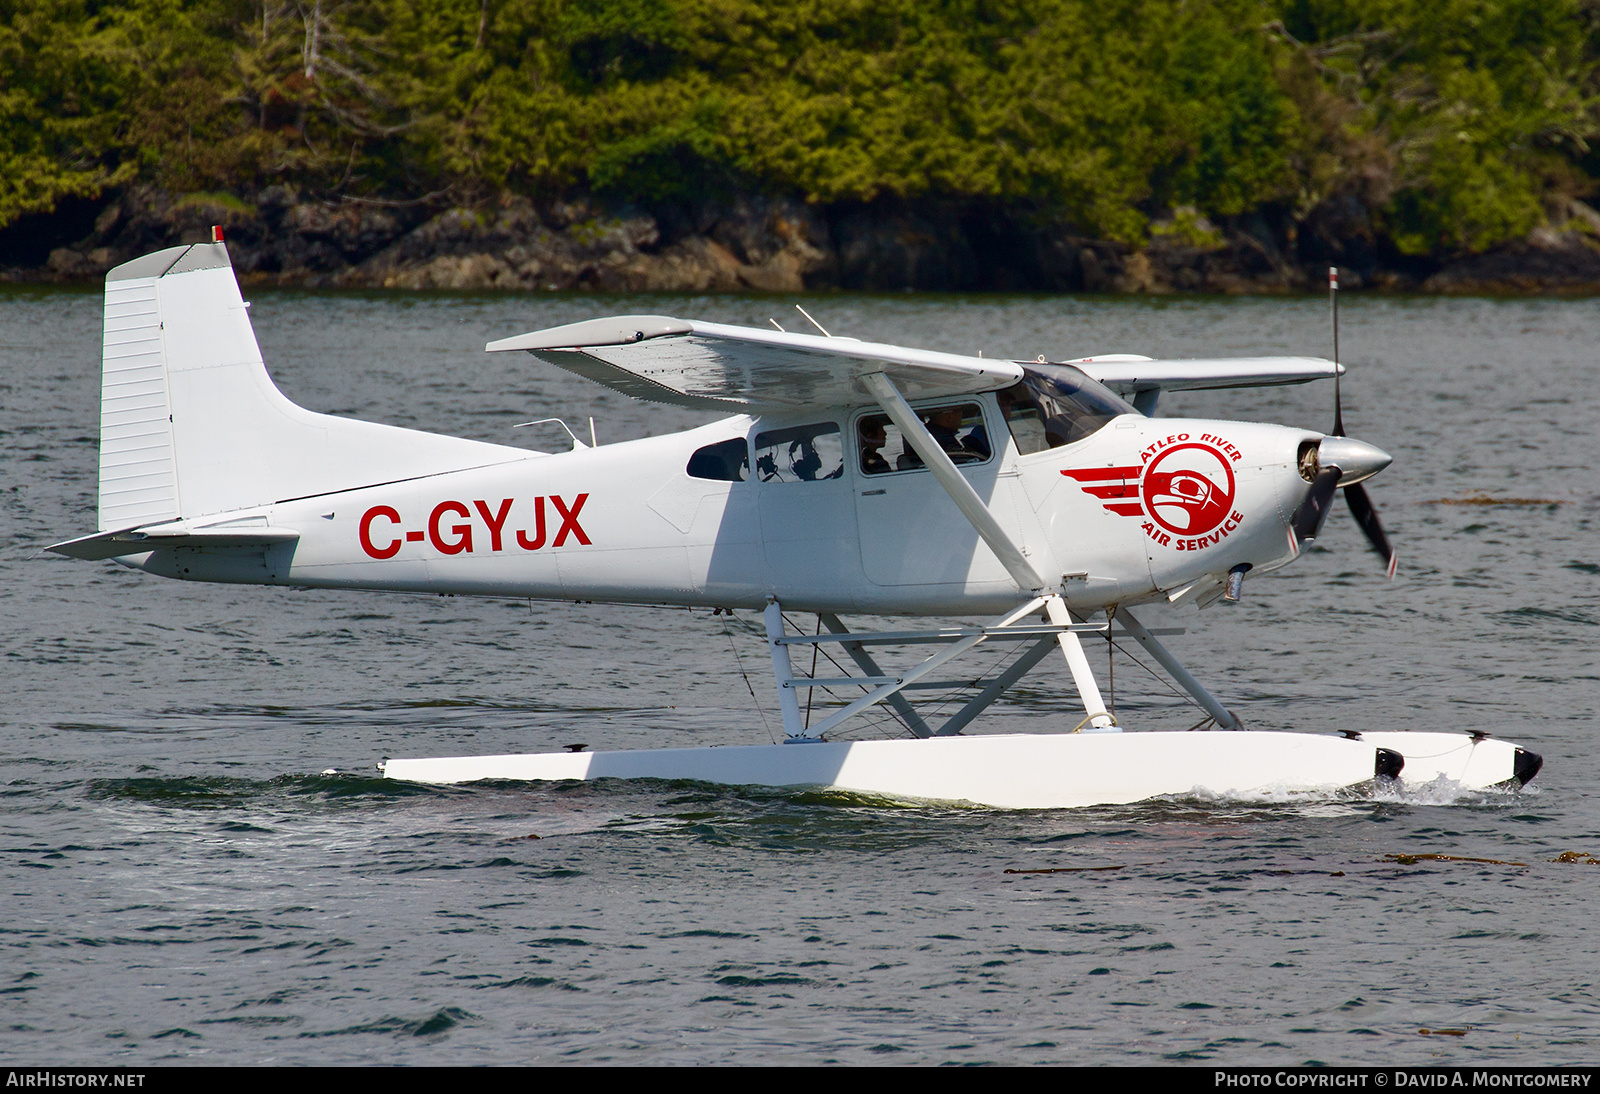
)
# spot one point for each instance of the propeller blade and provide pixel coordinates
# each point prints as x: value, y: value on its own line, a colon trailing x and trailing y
x: 1307, y: 521
x: 1365, y: 461
x: 1366, y: 516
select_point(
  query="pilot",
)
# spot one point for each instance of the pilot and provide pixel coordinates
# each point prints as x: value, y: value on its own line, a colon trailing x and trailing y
x: 945, y: 424
x: 873, y: 438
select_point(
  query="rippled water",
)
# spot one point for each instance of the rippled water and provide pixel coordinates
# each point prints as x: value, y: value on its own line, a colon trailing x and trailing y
x: 181, y: 884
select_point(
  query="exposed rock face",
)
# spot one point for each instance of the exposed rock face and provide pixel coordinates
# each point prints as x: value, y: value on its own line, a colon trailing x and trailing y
x: 1546, y: 262
x: 765, y: 246
x: 278, y: 237
x: 756, y: 243
x: 509, y: 247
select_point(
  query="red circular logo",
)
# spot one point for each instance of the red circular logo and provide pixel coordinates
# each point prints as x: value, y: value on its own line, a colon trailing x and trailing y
x: 1188, y: 489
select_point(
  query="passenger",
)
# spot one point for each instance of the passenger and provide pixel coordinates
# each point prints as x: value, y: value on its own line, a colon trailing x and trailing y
x: 873, y: 438
x: 804, y: 460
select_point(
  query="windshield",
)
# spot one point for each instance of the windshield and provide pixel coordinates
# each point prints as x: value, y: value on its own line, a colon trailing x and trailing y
x: 1055, y: 405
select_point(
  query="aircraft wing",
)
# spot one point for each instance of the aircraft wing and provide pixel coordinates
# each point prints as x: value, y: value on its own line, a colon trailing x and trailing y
x: 714, y: 366
x: 1127, y: 374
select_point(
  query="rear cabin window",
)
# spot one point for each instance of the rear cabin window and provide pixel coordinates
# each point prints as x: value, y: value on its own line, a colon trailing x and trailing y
x: 1055, y: 405
x: 958, y: 428
x: 726, y: 461
x: 802, y: 453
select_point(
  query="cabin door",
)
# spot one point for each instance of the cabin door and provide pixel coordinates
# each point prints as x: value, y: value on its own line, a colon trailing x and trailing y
x: 911, y: 533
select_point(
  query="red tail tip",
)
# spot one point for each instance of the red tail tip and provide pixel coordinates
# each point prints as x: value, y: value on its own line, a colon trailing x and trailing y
x: 216, y: 233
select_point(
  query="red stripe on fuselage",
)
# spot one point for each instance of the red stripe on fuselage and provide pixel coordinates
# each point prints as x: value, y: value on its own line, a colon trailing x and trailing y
x: 1127, y: 486
x: 1101, y: 474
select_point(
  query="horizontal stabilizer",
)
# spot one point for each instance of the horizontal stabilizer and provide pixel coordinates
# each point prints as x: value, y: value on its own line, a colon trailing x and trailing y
x: 746, y: 369
x: 1128, y: 375
x: 116, y: 544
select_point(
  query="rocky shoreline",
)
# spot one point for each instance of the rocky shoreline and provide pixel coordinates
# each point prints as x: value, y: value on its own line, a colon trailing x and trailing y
x: 755, y: 243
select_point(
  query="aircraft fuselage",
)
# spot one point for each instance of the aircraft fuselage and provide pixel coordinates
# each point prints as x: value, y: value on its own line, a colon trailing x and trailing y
x: 1140, y: 509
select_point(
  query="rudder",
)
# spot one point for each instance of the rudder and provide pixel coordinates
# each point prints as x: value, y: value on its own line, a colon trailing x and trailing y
x: 191, y: 424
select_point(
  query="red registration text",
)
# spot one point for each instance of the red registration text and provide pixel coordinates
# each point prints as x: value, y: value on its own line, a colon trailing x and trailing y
x: 454, y: 529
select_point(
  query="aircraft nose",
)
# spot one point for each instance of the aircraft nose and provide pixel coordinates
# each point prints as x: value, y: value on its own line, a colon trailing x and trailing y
x: 1357, y: 460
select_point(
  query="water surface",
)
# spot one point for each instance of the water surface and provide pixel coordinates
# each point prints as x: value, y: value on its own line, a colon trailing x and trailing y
x: 183, y: 885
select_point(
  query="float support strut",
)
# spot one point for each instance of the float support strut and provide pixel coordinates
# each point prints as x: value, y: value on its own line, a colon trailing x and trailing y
x: 1224, y: 716
x: 981, y: 702
x: 865, y: 661
x: 1078, y: 664
x: 954, y: 649
x: 788, y: 699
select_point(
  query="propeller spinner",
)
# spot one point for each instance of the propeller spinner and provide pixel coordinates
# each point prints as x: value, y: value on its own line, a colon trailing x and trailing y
x: 1341, y: 462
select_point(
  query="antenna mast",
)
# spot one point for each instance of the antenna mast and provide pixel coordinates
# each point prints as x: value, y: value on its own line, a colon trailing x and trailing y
x: 1333, y: 307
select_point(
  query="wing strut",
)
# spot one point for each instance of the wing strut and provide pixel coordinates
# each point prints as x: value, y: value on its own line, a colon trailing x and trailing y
x: 955, y: 484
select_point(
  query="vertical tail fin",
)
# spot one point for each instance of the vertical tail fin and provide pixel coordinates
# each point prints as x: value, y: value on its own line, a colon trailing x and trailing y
x: 191, y: 424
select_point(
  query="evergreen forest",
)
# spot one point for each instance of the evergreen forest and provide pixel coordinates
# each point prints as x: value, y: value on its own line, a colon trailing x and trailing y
x: 1456, y: 124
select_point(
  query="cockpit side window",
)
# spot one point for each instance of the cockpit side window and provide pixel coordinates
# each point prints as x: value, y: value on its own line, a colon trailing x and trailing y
x: 1055, y: 405
x: 725, y: 461
x: 958, y: 428
x: 802, y: 453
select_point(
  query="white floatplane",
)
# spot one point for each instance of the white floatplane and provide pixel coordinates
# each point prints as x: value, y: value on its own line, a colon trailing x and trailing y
x: 850, y: 478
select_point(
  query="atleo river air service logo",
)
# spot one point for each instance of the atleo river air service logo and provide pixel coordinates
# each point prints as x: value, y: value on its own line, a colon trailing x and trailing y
x: 1184, y: 490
